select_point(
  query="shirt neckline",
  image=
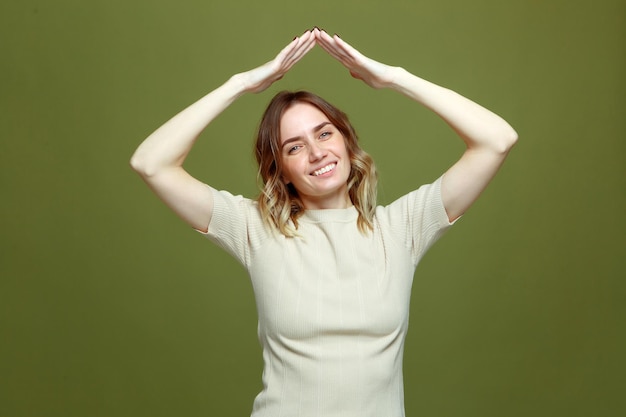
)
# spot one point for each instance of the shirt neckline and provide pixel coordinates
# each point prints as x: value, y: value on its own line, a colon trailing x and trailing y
x: 325, y: 215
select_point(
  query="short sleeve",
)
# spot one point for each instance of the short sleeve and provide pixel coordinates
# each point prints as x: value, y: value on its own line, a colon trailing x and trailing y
x: 418, y: 219
x: 235, y: 225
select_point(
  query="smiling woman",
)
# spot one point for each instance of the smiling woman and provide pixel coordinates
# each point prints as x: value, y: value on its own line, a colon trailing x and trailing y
x: 331, y: 271
x: 312, y: 136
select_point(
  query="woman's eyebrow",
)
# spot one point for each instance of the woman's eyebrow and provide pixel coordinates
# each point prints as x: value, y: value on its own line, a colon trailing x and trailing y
x: 296, y: 138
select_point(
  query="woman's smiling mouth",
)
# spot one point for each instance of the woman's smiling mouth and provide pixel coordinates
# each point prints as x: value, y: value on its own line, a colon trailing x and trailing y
x: 324, y: 170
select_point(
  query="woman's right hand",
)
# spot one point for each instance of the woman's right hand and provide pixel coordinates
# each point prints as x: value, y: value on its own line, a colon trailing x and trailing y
x: 260, y: 78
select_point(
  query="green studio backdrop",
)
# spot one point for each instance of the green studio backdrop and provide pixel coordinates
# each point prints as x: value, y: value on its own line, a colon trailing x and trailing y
x: 111, y: 306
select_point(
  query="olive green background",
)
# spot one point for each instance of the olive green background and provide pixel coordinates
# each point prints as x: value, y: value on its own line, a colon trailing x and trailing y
x: 111, y: 306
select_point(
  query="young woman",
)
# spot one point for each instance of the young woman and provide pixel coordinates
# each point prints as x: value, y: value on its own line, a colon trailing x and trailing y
x: 331, y: 271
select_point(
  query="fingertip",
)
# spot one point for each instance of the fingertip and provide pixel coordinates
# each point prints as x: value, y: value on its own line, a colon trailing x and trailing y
x: 323, y: 35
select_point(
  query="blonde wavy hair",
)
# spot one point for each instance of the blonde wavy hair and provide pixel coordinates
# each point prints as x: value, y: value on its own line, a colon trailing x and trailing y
x: 279, y: 202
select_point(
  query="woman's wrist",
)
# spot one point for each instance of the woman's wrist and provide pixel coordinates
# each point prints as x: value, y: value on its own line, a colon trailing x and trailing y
x: 395, y: 76
x: 237, y: 85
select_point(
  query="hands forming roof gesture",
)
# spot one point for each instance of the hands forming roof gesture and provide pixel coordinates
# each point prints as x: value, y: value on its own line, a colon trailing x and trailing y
x: 373, y: 73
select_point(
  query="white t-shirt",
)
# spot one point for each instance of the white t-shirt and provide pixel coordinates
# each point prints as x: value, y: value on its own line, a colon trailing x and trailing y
x: 333, y: 304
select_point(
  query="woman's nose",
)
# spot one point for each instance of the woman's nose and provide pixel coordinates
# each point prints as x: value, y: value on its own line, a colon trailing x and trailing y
x: 316, y: 152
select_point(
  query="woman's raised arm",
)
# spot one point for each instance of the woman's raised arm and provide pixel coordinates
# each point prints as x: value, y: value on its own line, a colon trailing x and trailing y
x: 488, y: 138
x: 159, y: 159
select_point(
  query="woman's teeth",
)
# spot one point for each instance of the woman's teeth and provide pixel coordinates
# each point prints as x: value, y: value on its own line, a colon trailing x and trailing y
x: 324, y: 170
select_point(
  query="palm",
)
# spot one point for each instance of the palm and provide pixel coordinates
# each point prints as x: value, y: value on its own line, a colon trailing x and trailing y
x: 373, y: 73
x: 260, y: 78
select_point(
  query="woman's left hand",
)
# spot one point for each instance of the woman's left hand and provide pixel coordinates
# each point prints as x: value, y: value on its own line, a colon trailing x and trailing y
x: 373, y: 73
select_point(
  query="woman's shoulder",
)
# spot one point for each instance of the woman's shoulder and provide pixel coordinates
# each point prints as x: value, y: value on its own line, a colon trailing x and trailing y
x: 235, y: 210
x: 236, y: 224
x: 428, y: 192
x: 230, y: 199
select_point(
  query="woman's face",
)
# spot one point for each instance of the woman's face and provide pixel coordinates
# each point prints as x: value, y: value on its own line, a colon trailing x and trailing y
x: 314, y: 158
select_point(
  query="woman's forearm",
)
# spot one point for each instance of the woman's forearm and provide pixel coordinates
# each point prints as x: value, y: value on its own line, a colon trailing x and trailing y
x: 169, y: 145
x: 477, y: 126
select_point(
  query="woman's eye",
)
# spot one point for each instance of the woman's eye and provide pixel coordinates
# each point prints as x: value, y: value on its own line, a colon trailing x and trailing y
x: 325, y: 135
x: 293, y: 149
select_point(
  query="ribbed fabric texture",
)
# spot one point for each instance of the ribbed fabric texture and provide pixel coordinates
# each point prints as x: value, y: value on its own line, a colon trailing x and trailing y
x: 333, y: 305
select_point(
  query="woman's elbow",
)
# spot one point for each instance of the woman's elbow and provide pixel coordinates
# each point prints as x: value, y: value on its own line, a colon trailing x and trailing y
x: 139, y: 165
x: 508, y: 139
